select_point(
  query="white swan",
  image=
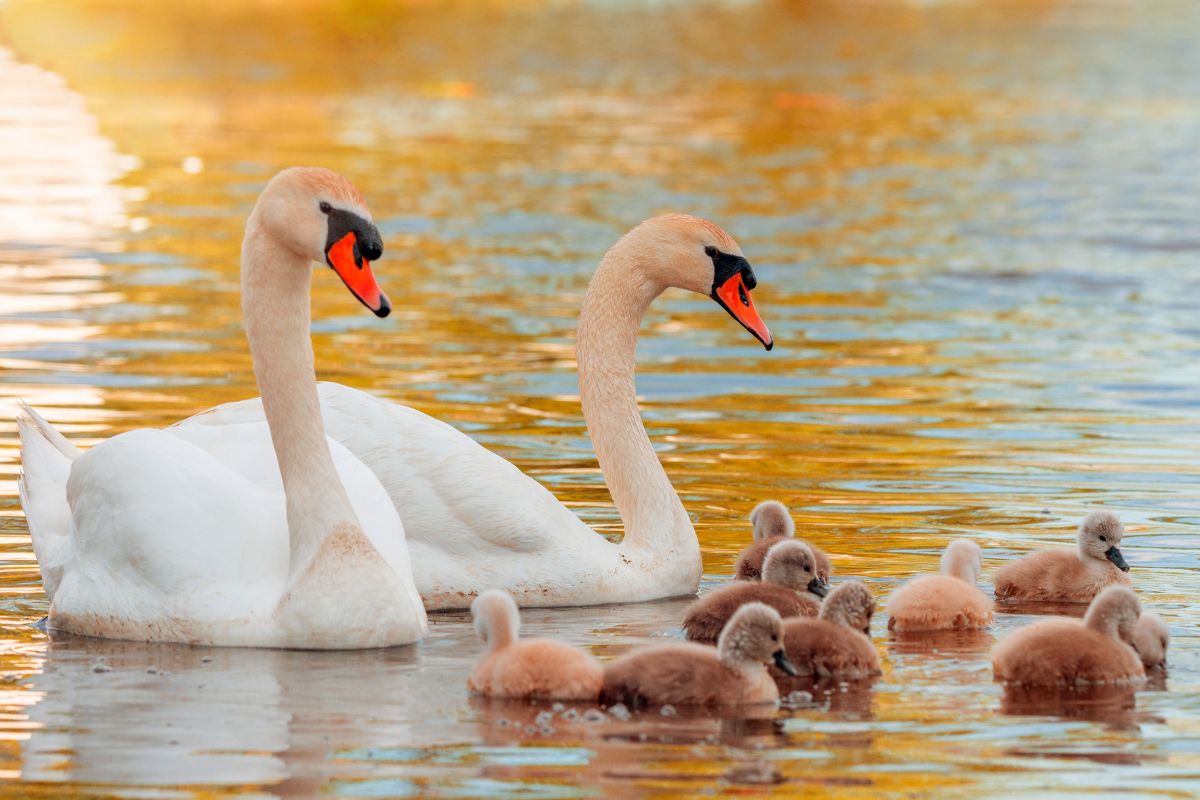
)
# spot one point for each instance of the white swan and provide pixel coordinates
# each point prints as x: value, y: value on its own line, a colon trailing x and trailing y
x: 476, y: 522
x: 242, y: 533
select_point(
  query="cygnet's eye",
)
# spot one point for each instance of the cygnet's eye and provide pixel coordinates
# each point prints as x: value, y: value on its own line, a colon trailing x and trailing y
x: 1104, y: 538
x: 711, y: 251
x: 774, y: 638
x: 325, y: 207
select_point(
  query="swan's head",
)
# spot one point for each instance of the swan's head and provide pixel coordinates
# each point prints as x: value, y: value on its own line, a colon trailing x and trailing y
x: 320, y: 216
x: 850, y: 604
x: 1150, y: 639
x: 1100, y: 536
x: 962, y: 559
x: 677, y: 250
x: 1114, y: 612
x: 771, y: 519
x: 791, y: 563
x: 497, y: 620
x: 754, y: 635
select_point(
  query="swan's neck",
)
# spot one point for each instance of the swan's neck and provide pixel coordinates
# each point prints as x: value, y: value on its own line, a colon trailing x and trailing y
x: 276, y: 308
x: 654, y: 518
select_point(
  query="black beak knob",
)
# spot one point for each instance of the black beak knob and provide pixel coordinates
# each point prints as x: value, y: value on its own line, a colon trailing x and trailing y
x: 370, y: 247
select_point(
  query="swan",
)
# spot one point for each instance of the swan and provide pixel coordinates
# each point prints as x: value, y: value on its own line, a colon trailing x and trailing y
x: 1067, y: 652
x: 474, y: 521
x: 690, y: 674
x: 526, y: 669
x: 837, y: 643
x: 772, y: 522
x: 789, y: 585
x: 1059, y: 575
x: 257, y: 533
x: 949, y: 600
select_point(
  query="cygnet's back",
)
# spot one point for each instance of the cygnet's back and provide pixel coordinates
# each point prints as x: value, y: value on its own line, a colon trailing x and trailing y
x: 1067, y: 652
x: 947, y: 601
x: 688, y: 674
x: 772, y: 523
x: 529, y: 669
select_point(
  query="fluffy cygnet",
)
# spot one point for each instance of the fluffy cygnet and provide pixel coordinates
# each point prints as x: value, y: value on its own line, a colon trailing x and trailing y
x: 1069, y: 576
x: 773, y: 523
x: 1150, y: 639
x: 949, y: 601
x: 790, y: 586
x: 1065, y: 652
x: 836, y: 644
x: 698, y: 675
x: 528, y: 669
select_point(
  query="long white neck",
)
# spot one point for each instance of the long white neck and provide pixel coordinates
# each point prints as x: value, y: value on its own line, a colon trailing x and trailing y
x: 276, y: 308
x: 606, y: 343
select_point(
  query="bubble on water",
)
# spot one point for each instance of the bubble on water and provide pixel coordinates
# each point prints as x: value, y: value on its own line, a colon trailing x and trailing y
x: 530, y: 730
x: 206, y: 660
x: 544, y: 718
x: 619, y: 711
x: 571, y: 715
x: 593, y: 715
x: 799, y: 696
x: 667, y: 711
x: 557, y: 707
x: 99, y: 665
x: 503, y: 723
x: 546, y: 730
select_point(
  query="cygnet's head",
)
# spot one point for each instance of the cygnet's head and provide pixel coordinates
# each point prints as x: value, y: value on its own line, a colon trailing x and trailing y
x: 685, y: 252
x: 497, y: 620
x: 791, y: 563
x: 962, y: 559
x: 754, y: 635
x: 1150, y: 639
x: 1100, y: 536
x: 1114, y: 612
x: 320, y: 216
x: 851, y: 604
x: 771, y: 519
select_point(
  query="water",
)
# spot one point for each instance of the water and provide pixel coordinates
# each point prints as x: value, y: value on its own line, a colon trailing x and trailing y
x: 974, y: 228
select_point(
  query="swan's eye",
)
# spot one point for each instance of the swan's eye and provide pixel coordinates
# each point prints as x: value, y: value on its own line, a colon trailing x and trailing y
x: 325, y: 207
x: 711, y: 251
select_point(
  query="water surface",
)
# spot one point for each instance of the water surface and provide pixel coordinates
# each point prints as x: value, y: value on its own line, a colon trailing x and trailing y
x: 974, y: 226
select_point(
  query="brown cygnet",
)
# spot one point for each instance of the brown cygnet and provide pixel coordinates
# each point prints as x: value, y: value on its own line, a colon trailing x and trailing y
x: 949, y: 601
x: 1150, y: 639
x: 527, y: 669
x: 790, y: 586
x: 836, y: 644
x: 1065, y: 652
x: 690, y: 674
x: 772, y: 524
x: 1069, y: 576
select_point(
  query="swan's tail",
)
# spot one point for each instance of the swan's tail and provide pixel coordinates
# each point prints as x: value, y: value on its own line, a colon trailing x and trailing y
x: 46, y: 458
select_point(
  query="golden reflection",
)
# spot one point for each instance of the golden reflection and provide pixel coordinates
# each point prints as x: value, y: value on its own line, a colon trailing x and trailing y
x: 954, y: 358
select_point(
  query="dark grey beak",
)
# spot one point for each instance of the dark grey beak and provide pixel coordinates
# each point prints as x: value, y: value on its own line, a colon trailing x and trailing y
x: 1114, y: 555
x: 818, y: 587
x: 781, y: 661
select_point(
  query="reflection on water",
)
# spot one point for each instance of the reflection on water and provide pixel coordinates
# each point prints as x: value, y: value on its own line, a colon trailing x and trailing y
x: 974, y: 226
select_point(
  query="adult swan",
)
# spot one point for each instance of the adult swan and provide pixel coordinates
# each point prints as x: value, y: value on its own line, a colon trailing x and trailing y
x: 236, y: 532
x: 476, y: 522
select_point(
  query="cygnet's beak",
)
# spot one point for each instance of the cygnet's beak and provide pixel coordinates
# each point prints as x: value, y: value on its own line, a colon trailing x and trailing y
x: 732, y: 282
x: 1114, y: 555
x: 781, y: 661
x: 818, y: 587
x: 352, y: 244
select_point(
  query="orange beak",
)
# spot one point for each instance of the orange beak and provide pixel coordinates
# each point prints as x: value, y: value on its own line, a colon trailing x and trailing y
x: 355, y: 272
x: 734, y: 297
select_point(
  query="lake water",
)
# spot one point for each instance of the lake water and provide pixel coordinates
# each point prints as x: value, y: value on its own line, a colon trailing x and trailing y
x: 975, y: 230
